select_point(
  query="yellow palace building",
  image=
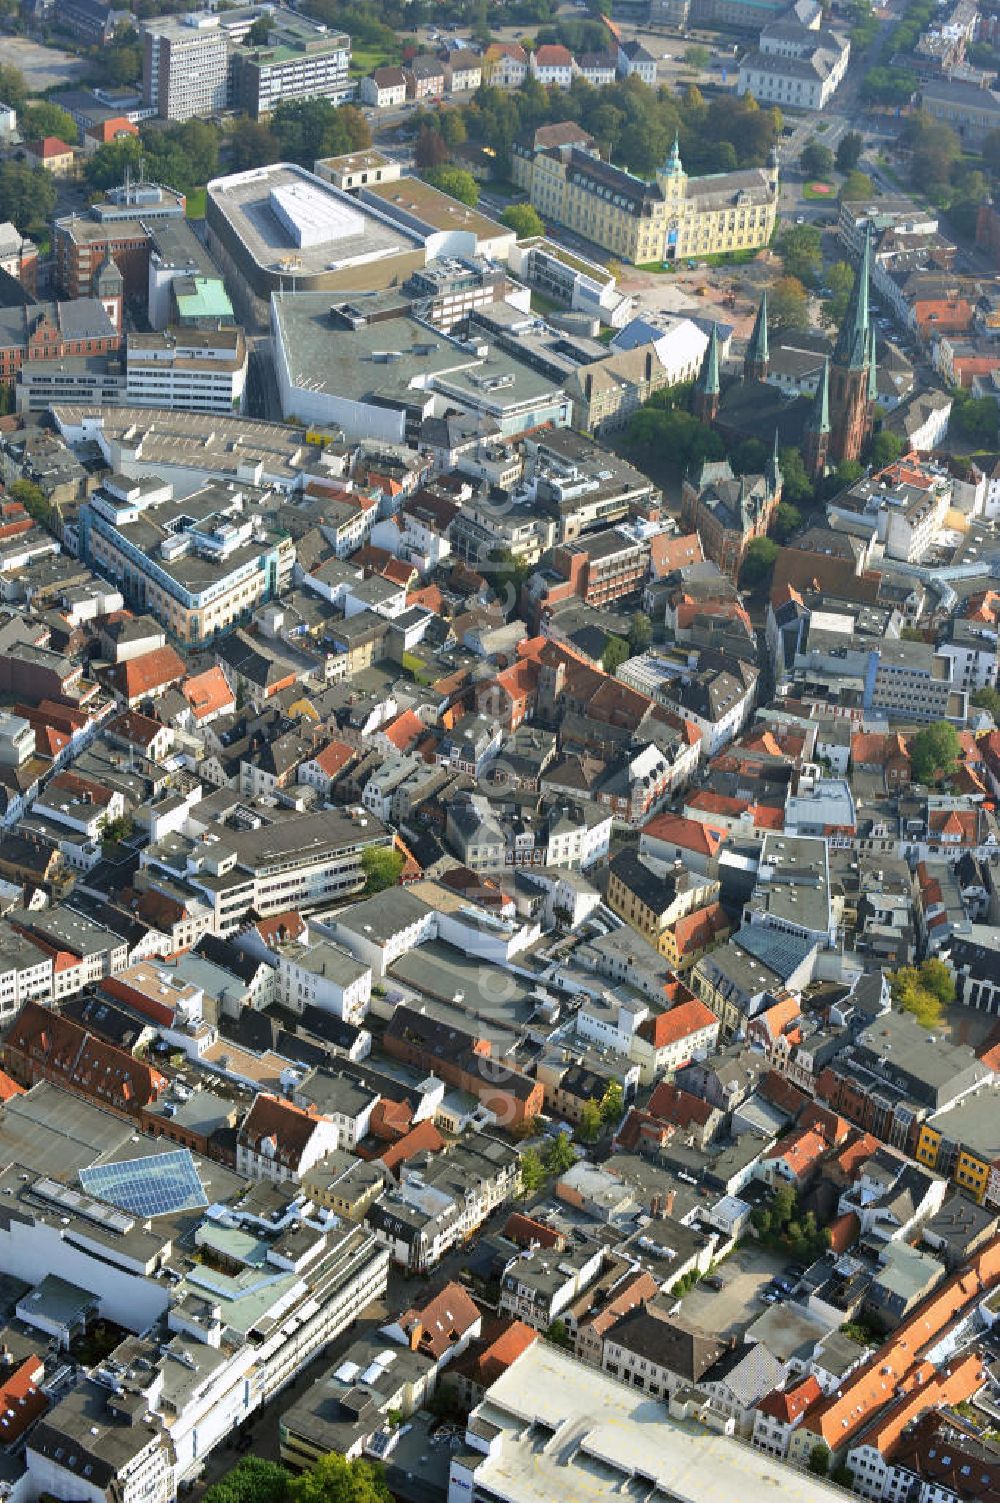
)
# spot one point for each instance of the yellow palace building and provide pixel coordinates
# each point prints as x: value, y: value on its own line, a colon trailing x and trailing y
x: 672, y: 218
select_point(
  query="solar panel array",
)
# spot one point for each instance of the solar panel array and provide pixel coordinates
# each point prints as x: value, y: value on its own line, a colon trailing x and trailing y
x: 159, y: 1185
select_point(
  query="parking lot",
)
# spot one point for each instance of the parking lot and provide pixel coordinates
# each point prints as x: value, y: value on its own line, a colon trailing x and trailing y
x: 745, y: 1275
x: 43, y: 67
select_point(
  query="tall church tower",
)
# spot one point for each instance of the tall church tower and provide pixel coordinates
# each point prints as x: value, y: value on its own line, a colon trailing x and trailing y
x: 758, y: 359
x: 705, y: 397
x: 851, y: 370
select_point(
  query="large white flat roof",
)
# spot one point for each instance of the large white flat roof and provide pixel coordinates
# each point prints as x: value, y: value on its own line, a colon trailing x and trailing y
x: 570, y: 1431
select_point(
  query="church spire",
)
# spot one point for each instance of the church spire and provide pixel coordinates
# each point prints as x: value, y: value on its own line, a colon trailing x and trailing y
x: 774, y: 476
x: 818, y: 420
x: 705, y: 403
x: 851, y: 352
x: 674, y: 167
x: 755, y: 366
x: 816, y: 439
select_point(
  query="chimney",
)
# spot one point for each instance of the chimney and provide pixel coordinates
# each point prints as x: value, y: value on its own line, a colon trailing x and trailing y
x: 416, y: 1332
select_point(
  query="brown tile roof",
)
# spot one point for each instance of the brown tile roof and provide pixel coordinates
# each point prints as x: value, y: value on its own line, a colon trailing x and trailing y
x: 442, y: 1322
x: 153, y: 670
x: 524, y: 1230
x: 278, y: 1125
x: 42, y: 1040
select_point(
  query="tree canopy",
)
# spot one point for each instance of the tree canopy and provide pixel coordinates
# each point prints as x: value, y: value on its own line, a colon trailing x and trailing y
x: 456, y: 182
x: 27, y: 194
x: 934, y: 752
x: 924, y: 991
x: 788, y: 304
x: 382, y: 866
x: 758, y: 563
x: 525, y: 221
x: 816, y: 160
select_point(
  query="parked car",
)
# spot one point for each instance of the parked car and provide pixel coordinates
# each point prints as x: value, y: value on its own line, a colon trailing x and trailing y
x: 713, y: 1282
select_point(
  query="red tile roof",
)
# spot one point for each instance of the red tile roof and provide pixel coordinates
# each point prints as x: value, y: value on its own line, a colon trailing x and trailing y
x: 153, y: 670
x: 208, y: 693
x: 689, y: 834
x: 680, y: 1108
x: 49, y: 147
x: 21, y: 1400
x: 405, y: 730
x: 679, y: 1023
x: 696, y: 931
x: 524, y: 1230
x: 424, y: 1138
x: 789, y: 1406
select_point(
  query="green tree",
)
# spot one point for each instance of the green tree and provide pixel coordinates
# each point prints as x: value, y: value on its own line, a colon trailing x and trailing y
x: 334, y: 1479
x: 251, y: 1480
x: 525, y: 221
x: 988, y: 699
x: 43, y: 118
x: 589, y: 1127
x: 560, y: 1155
x: 307, y: 129
x: 839, y: 280
x: 856, y: 185
x: 797, y: 486
x: 936, y: 978
x: 816, y: 159
x: 451, y: 124
x: 13, y: 87
x: 612, y: 1103
x: 252, y: 144
x: 801, y: 251
x: 819, y: 1460
x: 27, y: 194
x: 108, y: 164
x: 616, y: 652
x: 849, y: 149
x: 558, y: 1334
x: 456, y: 182
x: 640, y: 631
x: 788, y: 304
x: 532, y: 1171
x: 934, y: 752
x: 758, y: 563
x: 114, y: 831
x: 783, y: 1203
x: 884, y: 449
x: 259, y: 32
x: 382, y: 866
x: 697, y: 56
x: 750, y: 456
x: 787, y: 521
x: 32, y: 498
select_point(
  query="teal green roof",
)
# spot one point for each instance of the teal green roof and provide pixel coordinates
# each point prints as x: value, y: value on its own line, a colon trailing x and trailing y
x: 208, y: 300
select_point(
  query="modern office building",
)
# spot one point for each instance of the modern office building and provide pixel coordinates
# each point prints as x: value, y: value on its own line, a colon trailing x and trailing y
x: 185, y: 66
x: 198, y: 564
x: 302, y: 60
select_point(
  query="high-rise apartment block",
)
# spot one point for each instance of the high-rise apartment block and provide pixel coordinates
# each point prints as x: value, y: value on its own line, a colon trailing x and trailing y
x: 199, y: 64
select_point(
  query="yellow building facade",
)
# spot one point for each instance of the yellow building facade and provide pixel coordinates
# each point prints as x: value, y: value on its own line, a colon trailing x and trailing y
x: 672, y: 218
